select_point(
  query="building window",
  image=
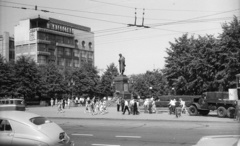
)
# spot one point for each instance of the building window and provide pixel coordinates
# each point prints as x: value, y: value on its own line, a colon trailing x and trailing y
x: 11, y: 55
x: 42, y: 47
x: 90, y: 45
x: 68, y: 62
x: 59, y: 39
x: 33, y: 46
x: 42, y: 36
x: 76, y: 53
x: 76, y: 63
x: 83, y: 44
x: 60, y: 61
x: 90, y: 55
x: 42, y: 59
x: 68, y: 52
x: 60, y: 52
x: 51, y: 37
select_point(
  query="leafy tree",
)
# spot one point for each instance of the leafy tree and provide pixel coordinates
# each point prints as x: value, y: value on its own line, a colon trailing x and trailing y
x: 86, y: 81
x: 26, y: 77
x: 106, y: 86
x: 229, y: 54
x: 6, y: 77
x: 52, y: 81
x: 152, y: 83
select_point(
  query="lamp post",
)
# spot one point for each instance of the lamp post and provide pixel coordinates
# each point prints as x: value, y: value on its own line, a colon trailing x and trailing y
x: 71, y: 83
x: 173, y: 90
x: 150, y: 88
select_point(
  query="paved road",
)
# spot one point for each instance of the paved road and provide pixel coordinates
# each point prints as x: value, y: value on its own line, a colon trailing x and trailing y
x: 78, y: 112
x: 97, y: 132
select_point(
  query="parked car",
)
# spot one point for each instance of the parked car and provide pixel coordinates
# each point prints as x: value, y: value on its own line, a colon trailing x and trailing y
x: 18, y: 128
x: 12, y: 104
x: 219, y: 140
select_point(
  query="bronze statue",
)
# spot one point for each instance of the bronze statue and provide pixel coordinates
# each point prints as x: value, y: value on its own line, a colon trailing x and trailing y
x: 121, y: 64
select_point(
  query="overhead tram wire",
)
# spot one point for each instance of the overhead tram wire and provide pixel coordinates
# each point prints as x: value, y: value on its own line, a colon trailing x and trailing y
x: 150, y: 8
x: 176, y: 22
x: 46, y: 11
x: 98, y: 13
x: 91, y: 18
x: 150, y: 37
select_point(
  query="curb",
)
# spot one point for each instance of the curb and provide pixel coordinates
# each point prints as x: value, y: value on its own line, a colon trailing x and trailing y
x: 154, y: 120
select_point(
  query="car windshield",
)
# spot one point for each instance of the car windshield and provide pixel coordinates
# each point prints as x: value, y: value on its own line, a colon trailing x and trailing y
x: 40, y: 120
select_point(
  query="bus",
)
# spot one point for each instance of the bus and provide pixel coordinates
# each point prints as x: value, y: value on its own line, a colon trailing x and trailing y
x: 7, y: 104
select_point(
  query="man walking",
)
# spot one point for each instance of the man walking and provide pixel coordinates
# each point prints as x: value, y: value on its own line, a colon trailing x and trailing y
x: 126, y: 107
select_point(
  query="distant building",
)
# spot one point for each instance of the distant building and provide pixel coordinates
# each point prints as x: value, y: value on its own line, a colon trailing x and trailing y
x: 51, y: 40
x: 7, y: 46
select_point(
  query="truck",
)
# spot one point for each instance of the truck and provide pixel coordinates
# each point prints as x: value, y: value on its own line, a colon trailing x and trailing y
x: 210, y: 101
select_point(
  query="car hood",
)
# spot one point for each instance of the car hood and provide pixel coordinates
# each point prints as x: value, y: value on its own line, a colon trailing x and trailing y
x: 219, y: 140
x: 51, y: 130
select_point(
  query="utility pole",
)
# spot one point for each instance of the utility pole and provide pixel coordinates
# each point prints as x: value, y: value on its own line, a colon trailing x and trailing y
x: 135, y: 22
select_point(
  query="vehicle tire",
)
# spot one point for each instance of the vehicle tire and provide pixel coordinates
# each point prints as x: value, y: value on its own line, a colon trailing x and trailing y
x: 192, y: 110
x: 204, y: 112
x: 230, y: 112
x: 221, y: 112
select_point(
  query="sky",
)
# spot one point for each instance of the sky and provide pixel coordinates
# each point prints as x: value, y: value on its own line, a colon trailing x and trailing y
x: 143, y: 48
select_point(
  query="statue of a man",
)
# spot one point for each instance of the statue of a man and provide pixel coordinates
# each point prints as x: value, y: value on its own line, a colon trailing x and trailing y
x: 121, y: 64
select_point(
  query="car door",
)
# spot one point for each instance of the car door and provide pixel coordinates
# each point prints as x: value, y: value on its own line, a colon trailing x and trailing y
x: 6, y: 133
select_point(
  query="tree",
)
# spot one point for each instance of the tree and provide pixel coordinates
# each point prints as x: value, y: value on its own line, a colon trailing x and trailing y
x: 6, y: 77
x: 26, y: 77
x: 86, y: 81
x: 52, y: 81
x: 106, y: 84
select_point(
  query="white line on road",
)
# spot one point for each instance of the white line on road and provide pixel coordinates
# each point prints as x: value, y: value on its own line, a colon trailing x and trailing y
x: 76, y: 134
x: 105, y: 145
x: 129, y: 136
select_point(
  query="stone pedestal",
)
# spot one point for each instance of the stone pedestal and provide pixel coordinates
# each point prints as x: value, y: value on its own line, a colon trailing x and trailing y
x: 121, y: 86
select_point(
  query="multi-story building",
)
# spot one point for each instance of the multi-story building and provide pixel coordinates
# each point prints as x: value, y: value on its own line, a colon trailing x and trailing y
x: 49, y: 39
x: 7, y: 46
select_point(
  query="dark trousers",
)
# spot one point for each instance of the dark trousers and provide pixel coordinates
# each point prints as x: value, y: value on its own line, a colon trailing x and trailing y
x: 126, y: 108
x: 122, y: 106
x: 135, y: 111
x: 118, y: 107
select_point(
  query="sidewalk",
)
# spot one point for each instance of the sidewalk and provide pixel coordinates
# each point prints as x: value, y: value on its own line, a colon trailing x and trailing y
x: 162, y: 115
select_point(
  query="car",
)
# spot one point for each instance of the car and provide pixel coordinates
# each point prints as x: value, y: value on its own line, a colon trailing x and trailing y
x: 21, y: 128
x: 12, y: 104
x: 219, y: 140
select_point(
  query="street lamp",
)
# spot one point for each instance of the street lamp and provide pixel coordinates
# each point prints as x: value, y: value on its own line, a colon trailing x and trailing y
x: 71, y: 83
x: 150, y: 88
x: 173, y: 90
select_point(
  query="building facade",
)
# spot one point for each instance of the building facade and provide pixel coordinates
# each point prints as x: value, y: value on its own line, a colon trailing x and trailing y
x: 51, y: 40
x: 7, y: 46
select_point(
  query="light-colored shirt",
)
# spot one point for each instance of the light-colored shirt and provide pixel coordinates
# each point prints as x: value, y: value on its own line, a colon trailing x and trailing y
x: 126, y: 103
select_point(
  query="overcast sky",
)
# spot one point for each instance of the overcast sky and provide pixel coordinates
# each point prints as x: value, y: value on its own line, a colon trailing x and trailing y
x: 143, y: 48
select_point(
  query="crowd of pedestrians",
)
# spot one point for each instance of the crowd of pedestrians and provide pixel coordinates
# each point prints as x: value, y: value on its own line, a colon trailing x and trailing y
x: 129, y: 105
x: 96, y: 106
x: 177, y: 107
x: 150, y: 105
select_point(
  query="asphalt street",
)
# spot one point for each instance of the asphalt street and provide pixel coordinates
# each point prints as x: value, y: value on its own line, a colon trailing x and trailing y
x: 116, y: 129
x: 99, y: 132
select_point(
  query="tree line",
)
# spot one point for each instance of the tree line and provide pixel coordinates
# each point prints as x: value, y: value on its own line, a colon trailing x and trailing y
x: 192, y: 66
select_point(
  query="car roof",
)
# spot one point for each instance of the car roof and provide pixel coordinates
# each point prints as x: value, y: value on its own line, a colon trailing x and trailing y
x: 22, y: 116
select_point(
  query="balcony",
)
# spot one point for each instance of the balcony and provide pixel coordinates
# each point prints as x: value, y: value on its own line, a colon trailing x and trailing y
x: 65, y: 45
x: 43, y: 41
x: 44, y: 53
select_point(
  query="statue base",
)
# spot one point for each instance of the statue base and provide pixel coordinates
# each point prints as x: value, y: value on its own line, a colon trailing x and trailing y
x: 121, y: 86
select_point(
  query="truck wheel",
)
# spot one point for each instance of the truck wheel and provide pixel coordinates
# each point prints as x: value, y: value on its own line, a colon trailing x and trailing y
x: 230, y: 112
x: 193, y: 110
x: 204, y: 112
x: 221, y: 112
